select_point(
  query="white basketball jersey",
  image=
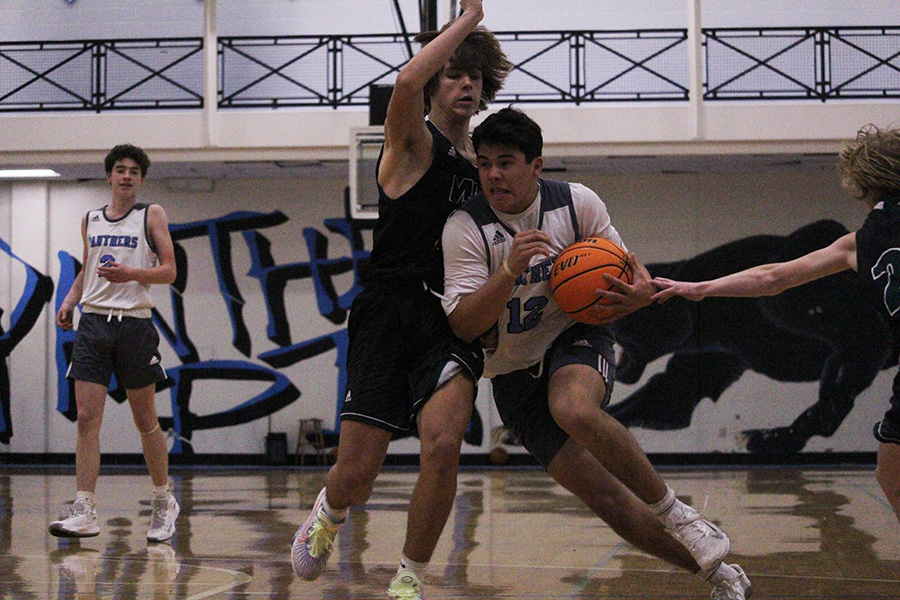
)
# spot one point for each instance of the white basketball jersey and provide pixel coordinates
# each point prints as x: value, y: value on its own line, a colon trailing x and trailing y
x: 124, y: 241
x: 476, y: 242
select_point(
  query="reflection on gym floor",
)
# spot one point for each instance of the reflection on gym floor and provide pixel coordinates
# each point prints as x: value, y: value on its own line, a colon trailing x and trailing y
x: 513, y: 533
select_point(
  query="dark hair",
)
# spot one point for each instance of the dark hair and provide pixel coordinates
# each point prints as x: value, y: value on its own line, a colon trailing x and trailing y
x: 510, y: 127
x: 123, y: 151
x: 480, y: 53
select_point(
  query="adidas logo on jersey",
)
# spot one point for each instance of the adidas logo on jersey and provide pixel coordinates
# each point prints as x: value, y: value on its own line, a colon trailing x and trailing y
x: 584, y: 343
x: 154, y: 361
x: 452, y: 152
x: 499, y: 238
x: 95, y: 218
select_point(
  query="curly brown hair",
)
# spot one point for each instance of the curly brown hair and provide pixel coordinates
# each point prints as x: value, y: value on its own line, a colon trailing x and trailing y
x: 479, y: 53
x: 870, y: 165
x: 123, y: 151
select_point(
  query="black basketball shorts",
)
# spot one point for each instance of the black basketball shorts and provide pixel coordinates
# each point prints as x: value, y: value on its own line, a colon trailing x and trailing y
x: 128, y: 348
x: 521, y: 396
x: 400, y: 343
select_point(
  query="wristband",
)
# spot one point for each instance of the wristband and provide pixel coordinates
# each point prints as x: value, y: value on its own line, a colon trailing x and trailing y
x: 508, y: 272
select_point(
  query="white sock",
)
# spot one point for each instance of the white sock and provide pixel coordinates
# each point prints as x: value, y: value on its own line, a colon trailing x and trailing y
x: 85, y: 497
x: 161, y: 491
x: 337, y: 515
x: 416, y: 567
x: 723, y: 571
x: 662, y: 507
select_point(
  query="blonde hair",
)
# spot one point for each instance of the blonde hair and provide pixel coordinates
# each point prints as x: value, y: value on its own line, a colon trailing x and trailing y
x: 870, y: 165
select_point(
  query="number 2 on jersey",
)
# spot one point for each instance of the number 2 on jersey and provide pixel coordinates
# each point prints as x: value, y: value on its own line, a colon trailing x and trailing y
x: 519, y: 322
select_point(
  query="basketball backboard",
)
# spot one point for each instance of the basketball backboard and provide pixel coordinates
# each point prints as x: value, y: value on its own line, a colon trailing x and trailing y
x: 365, y: 145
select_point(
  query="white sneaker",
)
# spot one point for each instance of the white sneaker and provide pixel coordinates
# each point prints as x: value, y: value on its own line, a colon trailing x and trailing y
x: 406, y: 586
x: 162, y: 521
x: 707, y: 543
x: 78, y: 521
x: 736, y: 588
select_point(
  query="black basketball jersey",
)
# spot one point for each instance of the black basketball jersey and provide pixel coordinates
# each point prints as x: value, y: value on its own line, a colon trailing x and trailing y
x: 407, y: 236
x: 878, y: 258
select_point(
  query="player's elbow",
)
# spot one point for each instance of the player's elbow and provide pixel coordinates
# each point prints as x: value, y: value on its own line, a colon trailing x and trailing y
x: 462, y: 327
x: 409, y: 81
x: 169, y: 274
x: 771, y: 284
x: 405, y: 78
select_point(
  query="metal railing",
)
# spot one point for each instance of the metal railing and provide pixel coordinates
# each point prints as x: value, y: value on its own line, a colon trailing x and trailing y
x: 101, y: 75
x: 572, y: 67
x: 822, y: 63
x: 575, y: 67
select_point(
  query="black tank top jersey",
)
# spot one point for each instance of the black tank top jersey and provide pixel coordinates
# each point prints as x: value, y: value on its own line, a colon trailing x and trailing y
x: 407, y: 236
x: 878, y: 258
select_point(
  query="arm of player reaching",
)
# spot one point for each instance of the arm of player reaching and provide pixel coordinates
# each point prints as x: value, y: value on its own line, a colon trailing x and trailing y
x: 407, y: 141
x: 769, y: 279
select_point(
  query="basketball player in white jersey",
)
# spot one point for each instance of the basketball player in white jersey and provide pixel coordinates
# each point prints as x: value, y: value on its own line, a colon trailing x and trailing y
x: 552, y: 377
x: 127, y: 248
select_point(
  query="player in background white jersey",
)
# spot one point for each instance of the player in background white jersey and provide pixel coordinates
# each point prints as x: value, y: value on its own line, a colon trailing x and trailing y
x: 127, y: 248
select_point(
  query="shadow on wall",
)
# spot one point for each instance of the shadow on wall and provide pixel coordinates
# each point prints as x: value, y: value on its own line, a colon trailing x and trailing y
x: 823, y: 331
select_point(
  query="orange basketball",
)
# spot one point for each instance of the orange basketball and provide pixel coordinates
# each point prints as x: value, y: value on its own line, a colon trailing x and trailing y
x: 578, y: 273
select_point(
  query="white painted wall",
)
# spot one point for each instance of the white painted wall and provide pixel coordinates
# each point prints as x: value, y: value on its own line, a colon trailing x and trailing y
x: 54, y: 20
x: 29, y: 20
x: 662, y: 217
x: 799, y: 13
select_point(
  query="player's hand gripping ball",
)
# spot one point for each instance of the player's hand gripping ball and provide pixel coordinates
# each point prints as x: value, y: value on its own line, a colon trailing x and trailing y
x: 578, y: 273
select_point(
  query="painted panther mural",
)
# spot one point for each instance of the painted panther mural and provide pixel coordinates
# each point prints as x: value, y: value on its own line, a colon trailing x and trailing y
x: 822, y: 331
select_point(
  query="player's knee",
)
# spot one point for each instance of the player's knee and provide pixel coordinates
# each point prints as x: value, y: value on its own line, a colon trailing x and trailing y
x: 579, y: 419
x: 89, y: 420
x: 441, y: 452
x: 352, y: 484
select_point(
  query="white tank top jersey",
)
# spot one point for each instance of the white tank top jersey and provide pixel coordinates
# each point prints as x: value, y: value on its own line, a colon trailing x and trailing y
x: 125, y: 241
x: 476, y: 241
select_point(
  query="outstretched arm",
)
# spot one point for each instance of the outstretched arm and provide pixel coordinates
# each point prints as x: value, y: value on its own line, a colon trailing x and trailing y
x: 767, y: 280
x: 407, y: 141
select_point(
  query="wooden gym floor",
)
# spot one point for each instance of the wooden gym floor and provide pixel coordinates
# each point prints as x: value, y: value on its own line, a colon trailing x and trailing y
x: 800, y: 533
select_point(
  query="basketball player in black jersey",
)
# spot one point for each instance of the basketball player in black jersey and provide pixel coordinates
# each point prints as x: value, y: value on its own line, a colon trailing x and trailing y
x: 407, y: 372
x: 870, y: 170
